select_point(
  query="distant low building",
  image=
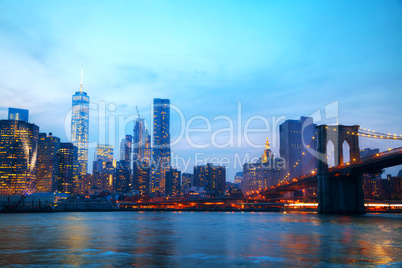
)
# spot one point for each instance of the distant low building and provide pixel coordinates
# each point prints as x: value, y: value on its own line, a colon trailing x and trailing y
x: 34, y: 201
x: 376, y: 188
x: 195, y: 192
x: 366, y: 152
x: 372, y: 182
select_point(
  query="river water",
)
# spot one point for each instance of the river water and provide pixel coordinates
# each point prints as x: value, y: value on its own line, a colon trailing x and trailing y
x: 199, y: 239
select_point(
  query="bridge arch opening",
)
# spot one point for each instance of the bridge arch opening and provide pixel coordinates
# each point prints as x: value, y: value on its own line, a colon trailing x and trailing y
x: 330, y: 154
x: 346, y: 152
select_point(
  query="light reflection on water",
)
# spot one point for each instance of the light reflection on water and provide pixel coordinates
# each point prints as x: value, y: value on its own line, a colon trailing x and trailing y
x: 202, y: 239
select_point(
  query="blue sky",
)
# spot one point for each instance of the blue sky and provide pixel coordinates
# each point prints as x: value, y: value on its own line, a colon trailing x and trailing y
x: 278, y: 58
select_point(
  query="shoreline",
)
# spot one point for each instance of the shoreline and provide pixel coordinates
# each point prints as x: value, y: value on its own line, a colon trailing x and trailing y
x: 197, y: 210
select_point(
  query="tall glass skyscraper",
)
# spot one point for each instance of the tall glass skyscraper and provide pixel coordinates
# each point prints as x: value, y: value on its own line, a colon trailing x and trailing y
x: 80, y: 127
x: 161, y: 145
x: 18, y: 154
x: 47, y: 164
x: 18, y: 114
x: 141, y: 141
x: 68, y: 167
x: 293, y: 133
x: 141, y: 157
x: 126, y: 150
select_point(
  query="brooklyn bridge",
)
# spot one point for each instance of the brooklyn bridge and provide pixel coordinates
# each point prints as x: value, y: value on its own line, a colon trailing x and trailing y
x: 340, y: 187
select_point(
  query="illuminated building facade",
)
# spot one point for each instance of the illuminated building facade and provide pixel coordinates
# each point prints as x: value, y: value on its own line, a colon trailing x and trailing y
x: 95, y: 183
x: 104, y: 154
x: 371, y: 181
x: 47, y: 164
x: 122, y: 182
x: 259, y: 176
x: 161, y: 145
x: 18, y: 154
x: 68, y: 168
x: 262, y: 174
x: 141, y: 141
x: 376, y: 188
x: 187, y: 181
x: 18, y: 114
x: 141, y: 177
x: 80, y: 127
x: 371, y: 185
x: 173, y: 182
x: 212, y: 178
x: 123, y: 169
x: 392, y: 188
x: 238, y: 178
x: 141, y: 157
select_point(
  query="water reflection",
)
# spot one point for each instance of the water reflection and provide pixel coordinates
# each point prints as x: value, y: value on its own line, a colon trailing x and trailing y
x: 199, y: 239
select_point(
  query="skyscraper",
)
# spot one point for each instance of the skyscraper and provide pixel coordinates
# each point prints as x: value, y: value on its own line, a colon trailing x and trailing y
x: 122, y: 183
x: 18, y: 114
x: 80, y: 127
x: 160, y: 145
x: 123, y: 170
x: 104, y: 152
x: 104, y: 155
x: 141, y: 176
x: 295, y: 136
x: 126, y: 150
x: 212, y: 178
x: 68, y: 168
x: 141, y: 157
x: 47, y: 165
x: 173, y: 182
x: 18, y: 154
x: 141, y: 141
x: 187, y: 181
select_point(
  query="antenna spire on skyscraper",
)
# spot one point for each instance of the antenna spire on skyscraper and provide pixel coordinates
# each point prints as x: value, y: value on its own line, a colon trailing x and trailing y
x: 138, y: 113
x: 82, y: 73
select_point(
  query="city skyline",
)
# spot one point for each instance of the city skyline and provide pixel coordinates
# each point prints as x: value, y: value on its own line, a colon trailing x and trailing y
x: 181, y: 133
x: 291, y: 59
x: 193, y: 162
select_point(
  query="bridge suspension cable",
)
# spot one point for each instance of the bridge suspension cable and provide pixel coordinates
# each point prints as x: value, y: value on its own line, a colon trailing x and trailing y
x: 298, y: 162
x: 367, y: 133
x: 377, y: 135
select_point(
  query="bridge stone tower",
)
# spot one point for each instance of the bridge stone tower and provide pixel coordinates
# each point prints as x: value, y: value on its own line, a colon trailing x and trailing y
x: 339, y: 193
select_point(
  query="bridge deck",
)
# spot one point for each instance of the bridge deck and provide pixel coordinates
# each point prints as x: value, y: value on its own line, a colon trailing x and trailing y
x: 369, y: 164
